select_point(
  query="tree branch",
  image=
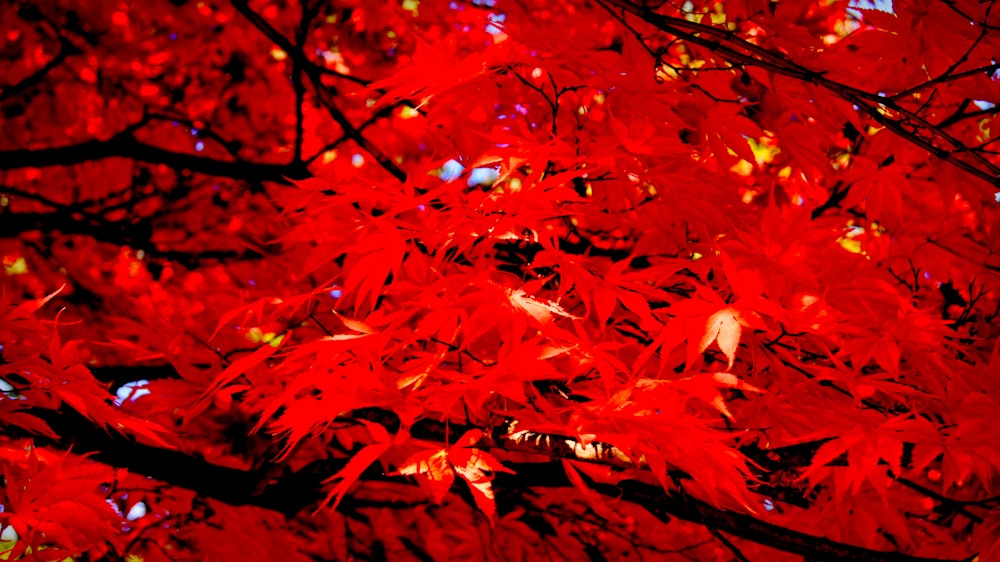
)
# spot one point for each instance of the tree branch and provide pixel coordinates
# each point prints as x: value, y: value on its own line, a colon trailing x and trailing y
x: 135, y: 235
x: 737, y: 50
x: 66, y: 49
x: 125, y: 145
x: 290, y: 492
x: 315, y: 76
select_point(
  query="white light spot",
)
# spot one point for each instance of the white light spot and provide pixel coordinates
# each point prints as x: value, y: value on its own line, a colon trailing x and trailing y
x: 451, y: 170
x: 880, y: 5
x: 131, y: 391
x: 10, y: 391
x: 138, y: 511
x: 483, y: 176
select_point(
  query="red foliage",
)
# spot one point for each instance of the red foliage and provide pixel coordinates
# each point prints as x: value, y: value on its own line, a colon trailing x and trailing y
x: 500, y: 279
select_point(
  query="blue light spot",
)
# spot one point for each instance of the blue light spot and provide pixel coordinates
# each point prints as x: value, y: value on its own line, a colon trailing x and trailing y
x: 199, y: 146
x: 252, y: 282
x: 984, y: 105
x: 173, y: 36
x: 194, y: 132
x: 768, y: 504
x: 483, y: 176
x: 927, y: 275
x: 421, y: 207
x: 996, y: 196
x: 336, y: 293
x: 451, y: 170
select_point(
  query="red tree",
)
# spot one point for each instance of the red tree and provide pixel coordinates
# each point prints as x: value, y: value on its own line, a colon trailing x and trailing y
x: 493, y: 279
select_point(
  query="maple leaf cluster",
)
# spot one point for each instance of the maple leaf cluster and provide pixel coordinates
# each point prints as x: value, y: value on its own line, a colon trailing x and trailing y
x: 500, y: 279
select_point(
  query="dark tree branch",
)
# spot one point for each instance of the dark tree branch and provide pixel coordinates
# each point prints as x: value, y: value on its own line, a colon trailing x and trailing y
x: 884, y: 110
x: 963, y: 115
x: 729, y: 545
x: 949, y: 77
x: 125, y: 145
x: 315, y: 76
x: 380, y: 114
x: 204, y: 132
x: 118, y: 375
x: 289, y: 493
x: 949, y: 74
x: 297, y: 85
x: 685, y: 507
x: 66, y: 49
x: 837, y: 194
x: 135, y: 235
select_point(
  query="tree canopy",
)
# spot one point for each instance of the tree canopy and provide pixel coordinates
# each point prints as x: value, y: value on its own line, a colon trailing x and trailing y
x: 500, y: 279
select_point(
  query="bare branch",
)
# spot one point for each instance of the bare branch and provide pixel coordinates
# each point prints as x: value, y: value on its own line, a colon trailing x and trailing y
x: 125, y: 145
x: 66, y: 49
x: 316, y: 78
